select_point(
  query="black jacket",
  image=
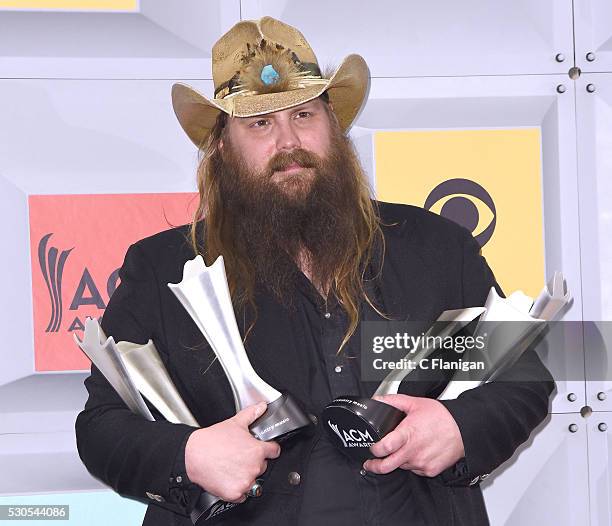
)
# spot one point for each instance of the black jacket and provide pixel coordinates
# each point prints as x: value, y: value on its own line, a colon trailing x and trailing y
x: 430, y: 265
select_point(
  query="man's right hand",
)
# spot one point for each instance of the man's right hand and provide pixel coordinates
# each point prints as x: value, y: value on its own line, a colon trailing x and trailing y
x: 225, y: 459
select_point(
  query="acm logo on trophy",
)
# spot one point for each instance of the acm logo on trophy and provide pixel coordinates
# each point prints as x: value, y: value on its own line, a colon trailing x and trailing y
x: 68, y: 283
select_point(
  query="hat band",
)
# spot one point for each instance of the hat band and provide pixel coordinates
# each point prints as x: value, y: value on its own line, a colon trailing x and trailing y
x: 233, y: 85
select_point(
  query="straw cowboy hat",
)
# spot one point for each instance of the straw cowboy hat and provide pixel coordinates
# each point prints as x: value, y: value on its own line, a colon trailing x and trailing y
x: 262, y: 66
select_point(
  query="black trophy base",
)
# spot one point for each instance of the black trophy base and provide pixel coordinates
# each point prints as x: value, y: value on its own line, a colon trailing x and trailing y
x: 283, y: 418
x: 208, y: 507
x: 353, y: 424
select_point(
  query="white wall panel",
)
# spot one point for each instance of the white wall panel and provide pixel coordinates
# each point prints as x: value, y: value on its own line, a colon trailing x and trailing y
x: 16, y: 298
x: 37, y: 442
x: 400, y: 38
x: 594, y: 128
x: 86, y: 136
x: 68, y: 137
x: 77, y: 137
x: 164, y: 40
x: 593, y: 32
x: 546, y: 481
x: 42, y: 463
x: 600, y: 477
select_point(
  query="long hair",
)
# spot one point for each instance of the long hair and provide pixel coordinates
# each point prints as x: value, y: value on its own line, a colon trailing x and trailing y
x: 215, y: 238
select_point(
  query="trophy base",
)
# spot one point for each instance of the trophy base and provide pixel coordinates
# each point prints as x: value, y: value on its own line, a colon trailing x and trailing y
x: 353, y: 424
x: 209, y: 507
x: 282, y: 418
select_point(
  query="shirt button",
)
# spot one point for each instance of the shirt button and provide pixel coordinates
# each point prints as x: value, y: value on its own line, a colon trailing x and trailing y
x: 338, y: 368
x: 294, y: 478
x: 328, y: 315
x: 179, y: 479
x: 363, y: 472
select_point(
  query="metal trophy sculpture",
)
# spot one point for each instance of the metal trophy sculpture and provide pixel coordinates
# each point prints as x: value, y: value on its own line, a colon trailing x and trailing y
x: 132, y: 370
x: 354, y: 423
x: 505, y: 349
x: 205, y: 295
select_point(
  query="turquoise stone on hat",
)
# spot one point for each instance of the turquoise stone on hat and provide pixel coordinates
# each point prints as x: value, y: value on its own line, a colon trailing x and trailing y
x: 269, y: 75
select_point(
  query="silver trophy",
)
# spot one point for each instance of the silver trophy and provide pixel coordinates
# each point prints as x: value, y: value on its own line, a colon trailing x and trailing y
x: 205, y: 295
x: 134, y: 370
x: 508, y: 341
x: 355, y: 423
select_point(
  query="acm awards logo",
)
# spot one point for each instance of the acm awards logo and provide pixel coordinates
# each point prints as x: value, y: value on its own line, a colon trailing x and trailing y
x: 52, y: 263
x: 77, y: 244
x: 351, y: 437
x: 461, y: 202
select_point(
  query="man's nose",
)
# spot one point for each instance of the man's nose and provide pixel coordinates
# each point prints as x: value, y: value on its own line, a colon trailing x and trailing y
x: 287, y: 137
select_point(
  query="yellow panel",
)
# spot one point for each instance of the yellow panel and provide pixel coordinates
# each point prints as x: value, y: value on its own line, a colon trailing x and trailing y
x: 459, y: 171
x: 71, y: 5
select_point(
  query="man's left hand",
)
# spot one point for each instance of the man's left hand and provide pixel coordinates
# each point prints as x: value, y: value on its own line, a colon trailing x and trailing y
x: 426, y: 441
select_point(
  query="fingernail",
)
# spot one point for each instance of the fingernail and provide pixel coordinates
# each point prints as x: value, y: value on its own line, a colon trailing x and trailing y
x: 261, y: 408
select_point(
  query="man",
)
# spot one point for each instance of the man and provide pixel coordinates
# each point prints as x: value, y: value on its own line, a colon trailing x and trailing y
x: 309, y: 257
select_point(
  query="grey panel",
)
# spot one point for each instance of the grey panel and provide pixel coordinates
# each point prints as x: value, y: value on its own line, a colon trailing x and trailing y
x: 593, y: 35
x: 159, y: 41
x: 600, y: 460
x: 546, y: 480
x: 400, y: 38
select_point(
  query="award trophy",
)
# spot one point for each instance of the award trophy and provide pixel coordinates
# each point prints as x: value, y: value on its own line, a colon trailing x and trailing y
x: 205, y: 295
x: 508, y: 341
x: 354, y: 423
x: 133, y: 369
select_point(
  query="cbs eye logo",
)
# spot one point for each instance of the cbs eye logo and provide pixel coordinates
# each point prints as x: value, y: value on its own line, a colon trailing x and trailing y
x: 466, y: 203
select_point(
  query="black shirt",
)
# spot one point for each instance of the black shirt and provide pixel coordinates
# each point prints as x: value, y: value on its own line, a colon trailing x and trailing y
x: 336, y: 490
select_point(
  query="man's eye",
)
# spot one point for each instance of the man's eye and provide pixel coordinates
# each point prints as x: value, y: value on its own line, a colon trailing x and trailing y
x: 304, y: 114
x: 260, y: 123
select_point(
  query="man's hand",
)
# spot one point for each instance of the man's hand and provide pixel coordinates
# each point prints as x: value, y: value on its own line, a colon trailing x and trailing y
x: 225, y: 459
x: 426, y: 441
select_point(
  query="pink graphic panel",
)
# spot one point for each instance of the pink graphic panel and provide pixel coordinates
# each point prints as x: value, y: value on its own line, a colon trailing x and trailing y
x: 77, y: 244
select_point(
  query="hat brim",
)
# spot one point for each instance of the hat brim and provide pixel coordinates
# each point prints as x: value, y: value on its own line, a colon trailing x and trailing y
x: 346, y: 88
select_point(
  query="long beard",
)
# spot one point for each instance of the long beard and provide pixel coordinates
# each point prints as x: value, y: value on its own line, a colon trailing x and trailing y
x: 270, y: 224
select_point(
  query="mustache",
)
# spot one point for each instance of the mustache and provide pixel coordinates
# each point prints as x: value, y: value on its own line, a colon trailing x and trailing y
x: 303, y: 158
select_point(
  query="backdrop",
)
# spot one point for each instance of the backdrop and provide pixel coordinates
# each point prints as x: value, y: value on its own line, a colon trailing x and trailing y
x: 495, y: 114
